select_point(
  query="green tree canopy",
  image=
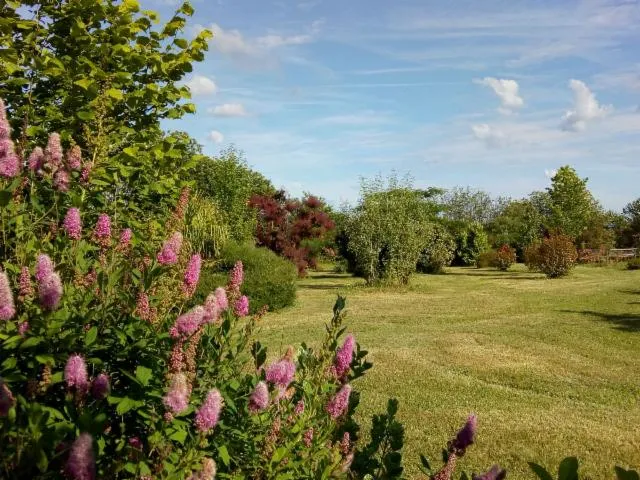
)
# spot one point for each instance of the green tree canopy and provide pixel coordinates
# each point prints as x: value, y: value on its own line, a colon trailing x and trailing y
x: 571, y: 205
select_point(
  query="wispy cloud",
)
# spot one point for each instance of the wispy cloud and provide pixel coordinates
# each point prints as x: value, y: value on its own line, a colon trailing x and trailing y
x: 215, y: 136
x: 201, y: 85
x: 507, y: 91
x: 228, y: 110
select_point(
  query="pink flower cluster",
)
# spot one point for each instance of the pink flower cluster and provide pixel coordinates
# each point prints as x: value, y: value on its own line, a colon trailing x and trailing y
x: 208, y: 471
x: 9, y: 160
x: 125, y: 239
x: 214, y: 305
x: 7, y: 307
x: 74, y: 158
x: 236, y: 276
x: 26, y: 289
x: 281, y: 373
x: 75, y: 373
x: 49, y: 283
x: 241, y: 307
x: 339, y: 403
x: 192, y: 275
x: 344, y: 356
x: 188, y: 323
x: 72, y: 224
x: 36, y: 160
x: 259, y: 399
x: 177, y: 398
x: 170, y: 250
x: 465, y: 437
x: 100, y: 387
x: 209, y: 413
x: 81, y: 463
x: 102, y: 230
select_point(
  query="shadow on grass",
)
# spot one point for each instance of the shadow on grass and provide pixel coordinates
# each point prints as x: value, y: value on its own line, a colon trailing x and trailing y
x: 330, y: 276
x: 628, y: 322
x: 503, y: 276
x: 308, y: 286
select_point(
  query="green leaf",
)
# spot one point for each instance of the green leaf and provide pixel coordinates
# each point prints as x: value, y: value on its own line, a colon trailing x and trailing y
x: 84, y: 115
x: 179, y: 436
x: 540, y: 471
x: 125, y: 405
x: 181, y: 42
x: 42, y: 462
x: 144, y: 374
x: 115, y: 93
x: 31, y: 342
x: 84, y: 83
x: 90, y: 336
x: 46, y: 359
x: 224, y: 455
x: 10, y: 362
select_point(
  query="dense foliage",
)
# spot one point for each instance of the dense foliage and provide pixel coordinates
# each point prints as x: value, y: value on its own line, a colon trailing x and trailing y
x: 439, y: 251
x: 294, y: 229
x: 205, y: 228
x: 388, y: 230
x: 102, y: 74
x: 228, y: 181
x: 471, y: 240
x: 555, y: 256
x: 269, y: 280
x: 571, y: 205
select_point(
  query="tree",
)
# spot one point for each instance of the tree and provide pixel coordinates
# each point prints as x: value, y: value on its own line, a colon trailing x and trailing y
x: 388, y: 230
x: 293, y: 229
x: 630, y: 234
x: 229, y: 181
x: 102, y: 74
x: 519, y: 224
x: 571, y: 204
x: 469, y: 205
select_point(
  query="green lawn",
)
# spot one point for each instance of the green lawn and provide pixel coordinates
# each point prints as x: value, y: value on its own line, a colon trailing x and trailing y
x: 551, y: 367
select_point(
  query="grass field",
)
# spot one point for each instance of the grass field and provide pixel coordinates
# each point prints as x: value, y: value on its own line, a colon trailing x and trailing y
x: 551, y: 367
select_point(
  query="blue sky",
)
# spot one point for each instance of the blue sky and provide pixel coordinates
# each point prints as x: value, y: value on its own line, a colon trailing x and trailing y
x: 492, y: 94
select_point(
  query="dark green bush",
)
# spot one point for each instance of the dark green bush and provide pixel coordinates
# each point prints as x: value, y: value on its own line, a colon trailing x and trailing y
x: 439, y: 252
x: 268, y: 279
x: 634, y: 264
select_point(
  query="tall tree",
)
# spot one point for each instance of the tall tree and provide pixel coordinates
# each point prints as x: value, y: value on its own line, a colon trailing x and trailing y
x: 102, y: 74
x: 470, y: 205
x: 571, y: 204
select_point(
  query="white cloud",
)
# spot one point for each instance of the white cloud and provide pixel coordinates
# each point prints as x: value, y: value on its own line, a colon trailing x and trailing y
x: 201, y: 85
x: 234, y: 43
x: 229, y: 110
x: 585, y: 109
x: 491, y: 136
x: 507, y: 91
x: 215, y: 136
x: 550, y: 173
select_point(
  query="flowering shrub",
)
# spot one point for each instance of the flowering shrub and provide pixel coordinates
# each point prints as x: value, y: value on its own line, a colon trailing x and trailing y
x: 555, y: 256
x: 505, y: 257
x: 110, y: 369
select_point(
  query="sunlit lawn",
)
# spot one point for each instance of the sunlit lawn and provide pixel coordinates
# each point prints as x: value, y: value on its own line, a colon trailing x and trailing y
x: 551, y: 367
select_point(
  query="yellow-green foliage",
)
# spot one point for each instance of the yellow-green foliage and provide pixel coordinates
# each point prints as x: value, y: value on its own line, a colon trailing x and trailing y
x: 206, y: 228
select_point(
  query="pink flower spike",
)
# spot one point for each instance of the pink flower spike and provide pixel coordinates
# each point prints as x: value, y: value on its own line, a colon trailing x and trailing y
x: 177, y: 398
x: 53, y: 152
x: 281, y: 373
x: 125, y: 238
x: 192, y: 275
x: 44, y: 267
x: 102, y: 230
x: 236, y: 277
x: 211, y: 310
x: 9, y: 161
x: 259, y: 399
x: 209, y: 413
x: 339, y: 403
x: 188, y: 323
x: 61, y: 180
x: 75, y: 373
x: 22, y: 328
x: 221, y: 298
x: 26, y: 289
x: 74, y: 158
x: 81, y: 463
x: 7, y: 307
x: 241, y: 307
x: 170, y: 250
x: 50, y: 291
x: 36, y: 159
x: 344, y: 356
x: 100, y: 387
x: 73, y: 224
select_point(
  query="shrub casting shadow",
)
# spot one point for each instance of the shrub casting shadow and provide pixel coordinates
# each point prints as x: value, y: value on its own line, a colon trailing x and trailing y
x: 627, y: 322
